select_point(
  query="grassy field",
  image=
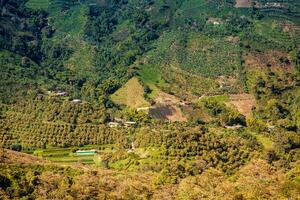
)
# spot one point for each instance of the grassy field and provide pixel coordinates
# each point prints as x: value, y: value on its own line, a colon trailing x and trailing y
x: 151, y: 76
x: 131, y: 94
x: 143, y: 156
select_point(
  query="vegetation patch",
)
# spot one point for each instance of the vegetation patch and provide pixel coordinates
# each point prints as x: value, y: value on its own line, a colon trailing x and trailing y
x: 131, y: 94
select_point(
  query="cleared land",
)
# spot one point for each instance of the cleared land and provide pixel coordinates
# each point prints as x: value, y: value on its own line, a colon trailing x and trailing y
x: 164, y: 98
x: 243, y: 3
x: 243, y: 103
x: 131, y: 94
x: 166, y: 107
x: 168, y: 112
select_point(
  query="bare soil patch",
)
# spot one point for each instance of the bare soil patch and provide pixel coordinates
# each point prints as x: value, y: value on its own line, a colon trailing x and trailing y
x: 290, y: 27
x: 168, y: 112
x: 167, y: 107
x: 243, y: 3
x: 243, y: 103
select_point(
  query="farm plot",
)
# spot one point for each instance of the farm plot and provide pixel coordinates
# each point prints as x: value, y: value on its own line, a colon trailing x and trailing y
x: 69, y: 155
x: 168, y: 112
x: 167, y: 107
x: 243, y: 3
x: 243, y: 103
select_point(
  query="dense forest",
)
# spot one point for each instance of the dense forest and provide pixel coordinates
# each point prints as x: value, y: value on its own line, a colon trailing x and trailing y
x: 181, y: 99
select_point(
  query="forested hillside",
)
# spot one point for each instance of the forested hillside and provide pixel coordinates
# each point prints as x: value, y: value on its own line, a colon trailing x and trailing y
x: 169, y: 99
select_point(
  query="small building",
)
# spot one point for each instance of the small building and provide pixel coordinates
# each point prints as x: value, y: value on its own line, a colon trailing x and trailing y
x: 271, y: 128
x: 86, y: 152
x: 143, y: 109
x: 114, y: 124
x: 130, y: 123
x: 274, y: 4
x: 235, y: 127
x: 214, y: 21
x: 62, y: 94
x: 76, y: 101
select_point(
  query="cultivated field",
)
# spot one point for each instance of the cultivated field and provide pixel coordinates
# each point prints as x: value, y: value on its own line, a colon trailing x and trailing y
x: 166, y: 107
x: 168, y: 112
x: 68, y: 155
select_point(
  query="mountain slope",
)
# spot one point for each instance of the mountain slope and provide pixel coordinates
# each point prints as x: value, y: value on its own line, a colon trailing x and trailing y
x: 173, y: 91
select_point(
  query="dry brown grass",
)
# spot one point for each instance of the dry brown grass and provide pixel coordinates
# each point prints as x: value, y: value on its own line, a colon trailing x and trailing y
x: 10, y: 157
x: 290, y: 28
x: 243, y: 103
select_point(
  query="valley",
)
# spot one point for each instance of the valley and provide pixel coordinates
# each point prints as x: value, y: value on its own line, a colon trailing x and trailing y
x: 149, y: 99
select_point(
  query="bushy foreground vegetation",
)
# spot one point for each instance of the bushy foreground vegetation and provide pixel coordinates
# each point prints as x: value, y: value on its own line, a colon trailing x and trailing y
x: 257, y: 179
